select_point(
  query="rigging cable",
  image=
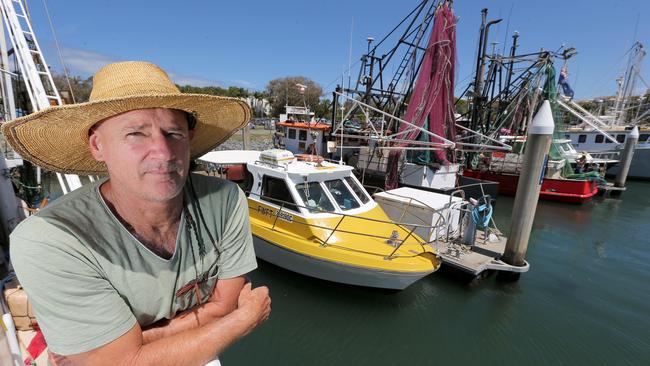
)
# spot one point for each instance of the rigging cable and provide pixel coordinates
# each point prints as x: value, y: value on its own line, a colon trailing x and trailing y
x: 58, y: 50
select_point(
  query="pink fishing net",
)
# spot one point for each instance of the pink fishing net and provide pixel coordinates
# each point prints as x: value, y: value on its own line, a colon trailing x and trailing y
x: 433, y: 92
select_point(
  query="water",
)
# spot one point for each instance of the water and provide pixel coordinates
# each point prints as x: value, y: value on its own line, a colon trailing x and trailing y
x: 586, y: 300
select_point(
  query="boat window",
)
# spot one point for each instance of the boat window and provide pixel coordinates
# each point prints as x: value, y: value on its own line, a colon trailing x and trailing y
x: 341, y: 194
x: 608, y: 141
x: 582, y: 138
x: 643, y: 137
x: 314, y: 197
x: 292, y: 133
x: 302, y: 135
x: 599, y: 139
x: 360, y: 192
x: 620, y: 138
x: 276, y: 191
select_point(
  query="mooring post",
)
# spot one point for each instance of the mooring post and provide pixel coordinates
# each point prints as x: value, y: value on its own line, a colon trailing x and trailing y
x: 538, y: 142
x: 626, y: 160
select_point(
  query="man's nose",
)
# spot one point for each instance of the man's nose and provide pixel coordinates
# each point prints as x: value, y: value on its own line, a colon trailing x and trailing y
x: 161, y: 146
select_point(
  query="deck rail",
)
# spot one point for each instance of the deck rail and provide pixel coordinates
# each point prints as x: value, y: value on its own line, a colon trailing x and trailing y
x: 442, y: 223
x: 324, y: 242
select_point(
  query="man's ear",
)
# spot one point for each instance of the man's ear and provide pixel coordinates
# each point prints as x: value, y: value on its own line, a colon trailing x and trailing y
x: 95, y: 146
x: 190, y: 134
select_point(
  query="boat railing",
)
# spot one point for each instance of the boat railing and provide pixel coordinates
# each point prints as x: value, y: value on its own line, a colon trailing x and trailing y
x: 396, y: 242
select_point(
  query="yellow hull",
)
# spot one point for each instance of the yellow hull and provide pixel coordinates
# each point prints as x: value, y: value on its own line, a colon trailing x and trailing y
x: 350, y: 242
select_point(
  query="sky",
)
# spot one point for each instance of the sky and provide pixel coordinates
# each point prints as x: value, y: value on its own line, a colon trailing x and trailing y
x: 248, y: 43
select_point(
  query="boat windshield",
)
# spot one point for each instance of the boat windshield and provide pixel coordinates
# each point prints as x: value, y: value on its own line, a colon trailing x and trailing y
x: 314, y: 197
x: 342, y: 195
x: 358, y: 190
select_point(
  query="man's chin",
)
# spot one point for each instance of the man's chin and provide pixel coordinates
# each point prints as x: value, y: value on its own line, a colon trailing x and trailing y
x: 164, y: 187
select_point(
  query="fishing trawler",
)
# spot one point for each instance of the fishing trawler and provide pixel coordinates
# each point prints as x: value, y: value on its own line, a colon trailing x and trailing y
x: 558, y: 183
x: 300, y: 133
x: 605, y: 135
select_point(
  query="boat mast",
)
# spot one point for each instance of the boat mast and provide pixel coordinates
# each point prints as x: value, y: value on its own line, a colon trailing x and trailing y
x: 477, y: 104
x: 626, y: 89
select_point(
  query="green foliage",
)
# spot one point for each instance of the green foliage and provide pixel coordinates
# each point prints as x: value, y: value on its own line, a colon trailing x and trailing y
x: 323, y: 109
x: 285, y: 91
x: 462, y: 106
x: 80, y: 87
x: 231, y: 91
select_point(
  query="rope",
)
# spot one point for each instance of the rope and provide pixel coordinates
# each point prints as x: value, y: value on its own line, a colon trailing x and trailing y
x: 482, y: 214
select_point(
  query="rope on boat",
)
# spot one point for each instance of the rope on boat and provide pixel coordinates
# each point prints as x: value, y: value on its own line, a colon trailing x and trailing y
x: 482, y: 214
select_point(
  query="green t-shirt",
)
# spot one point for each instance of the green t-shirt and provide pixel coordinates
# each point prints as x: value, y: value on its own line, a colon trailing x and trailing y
x: 89, y: 279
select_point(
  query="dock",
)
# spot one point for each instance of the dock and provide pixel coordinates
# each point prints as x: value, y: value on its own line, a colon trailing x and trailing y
x: 610, y: 189
x: 474, y: 259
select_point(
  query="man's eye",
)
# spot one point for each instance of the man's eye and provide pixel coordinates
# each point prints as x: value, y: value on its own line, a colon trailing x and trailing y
x: 176, y: 135
x: 135, y: 134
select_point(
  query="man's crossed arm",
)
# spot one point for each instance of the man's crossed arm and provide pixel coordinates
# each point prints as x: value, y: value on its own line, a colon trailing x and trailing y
x: 193, y: 337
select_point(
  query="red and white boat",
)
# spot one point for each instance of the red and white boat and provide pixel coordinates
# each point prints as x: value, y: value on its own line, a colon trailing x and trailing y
x: 504, y: 168
x: 561, y: 190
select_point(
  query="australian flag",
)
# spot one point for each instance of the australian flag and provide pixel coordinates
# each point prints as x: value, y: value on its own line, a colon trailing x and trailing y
x: 564, y: 83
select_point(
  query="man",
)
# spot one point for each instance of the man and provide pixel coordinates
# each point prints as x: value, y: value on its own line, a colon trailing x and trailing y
x: 146, y: 266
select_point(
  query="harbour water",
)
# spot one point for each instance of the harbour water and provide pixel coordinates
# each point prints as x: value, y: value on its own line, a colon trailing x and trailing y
x: 585, y: 301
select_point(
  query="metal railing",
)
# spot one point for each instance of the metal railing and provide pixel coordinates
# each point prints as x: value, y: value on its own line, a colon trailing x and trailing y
x: 407, y: 227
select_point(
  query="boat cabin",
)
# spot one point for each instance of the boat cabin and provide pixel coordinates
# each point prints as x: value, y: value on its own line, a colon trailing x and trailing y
x: 592, y: 140
x: 301, y: 133
x: 308, y: 188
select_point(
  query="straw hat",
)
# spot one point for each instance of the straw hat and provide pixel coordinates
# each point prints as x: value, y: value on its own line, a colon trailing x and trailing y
x: 57, y: 138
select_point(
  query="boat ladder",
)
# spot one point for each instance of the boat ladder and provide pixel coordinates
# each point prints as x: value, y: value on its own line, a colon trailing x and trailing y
x: 36, y: 74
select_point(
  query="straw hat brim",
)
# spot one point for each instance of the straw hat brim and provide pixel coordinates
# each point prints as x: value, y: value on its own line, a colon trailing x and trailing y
x: 57, y: 138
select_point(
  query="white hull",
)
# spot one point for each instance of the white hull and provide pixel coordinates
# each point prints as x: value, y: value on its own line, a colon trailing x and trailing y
x: 640, y: 167
x: 332, y: 271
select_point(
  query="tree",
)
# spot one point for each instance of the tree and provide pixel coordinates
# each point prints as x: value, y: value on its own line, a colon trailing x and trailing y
x: 286, y: 91
x: 232, y: 91
x: 323, y: 109
x: 80, y: 87
x: 462, y: 106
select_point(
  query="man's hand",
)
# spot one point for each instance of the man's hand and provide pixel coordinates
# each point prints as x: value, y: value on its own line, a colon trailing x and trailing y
x: 222, y: 302
x: 253, y: 306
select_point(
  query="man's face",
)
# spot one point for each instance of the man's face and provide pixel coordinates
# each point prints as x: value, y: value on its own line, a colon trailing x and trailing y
x: 146, y: 151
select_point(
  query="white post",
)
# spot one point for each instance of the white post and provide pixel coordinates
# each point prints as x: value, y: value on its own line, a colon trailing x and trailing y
x: 628, y: 154
x: 540, y: 135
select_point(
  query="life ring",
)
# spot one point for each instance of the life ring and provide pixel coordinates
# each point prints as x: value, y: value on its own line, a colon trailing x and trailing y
x: 310, y: 158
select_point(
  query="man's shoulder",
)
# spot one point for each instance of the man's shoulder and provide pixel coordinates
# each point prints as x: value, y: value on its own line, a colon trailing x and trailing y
x: 213, y: 186
x: 75, y: 209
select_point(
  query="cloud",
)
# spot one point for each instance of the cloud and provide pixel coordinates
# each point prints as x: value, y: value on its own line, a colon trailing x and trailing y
x: 192, y: 80
x: 83, y: 62
x: 244, y: 83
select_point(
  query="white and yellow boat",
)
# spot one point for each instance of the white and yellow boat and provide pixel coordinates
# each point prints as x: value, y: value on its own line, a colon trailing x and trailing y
x: 315, y: 218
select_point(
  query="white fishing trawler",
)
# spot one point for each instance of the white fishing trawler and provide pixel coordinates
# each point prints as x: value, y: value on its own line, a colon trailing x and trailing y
x: 604, y: 136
